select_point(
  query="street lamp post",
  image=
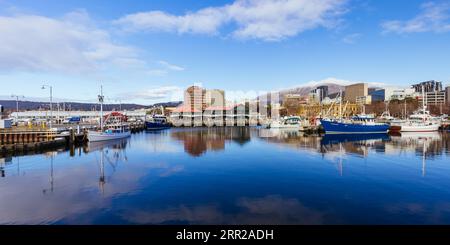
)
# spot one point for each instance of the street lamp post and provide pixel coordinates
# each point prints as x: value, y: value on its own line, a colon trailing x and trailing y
x: 51, y: 103
x: 17, y: 105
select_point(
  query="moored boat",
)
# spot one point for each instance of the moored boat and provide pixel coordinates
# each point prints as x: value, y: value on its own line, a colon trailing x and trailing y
x: 360, y: 124
x: 419, y: 121
x: 109, y: 134
x: 115, y: 126
x: 157, y: 122
x: 292, y: 122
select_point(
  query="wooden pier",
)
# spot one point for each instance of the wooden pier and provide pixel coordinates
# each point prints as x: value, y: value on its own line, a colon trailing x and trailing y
x: 22, y: 140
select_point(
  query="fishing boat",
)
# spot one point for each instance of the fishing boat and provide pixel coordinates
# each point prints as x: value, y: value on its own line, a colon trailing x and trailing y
x: 419, y: 121
x: 115, y: 126
x: 292, y: 122
x: 157, y: 122
x: 359, y: 124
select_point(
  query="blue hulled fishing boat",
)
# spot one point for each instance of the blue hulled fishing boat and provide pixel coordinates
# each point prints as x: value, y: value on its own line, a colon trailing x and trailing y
x: 360, y: 124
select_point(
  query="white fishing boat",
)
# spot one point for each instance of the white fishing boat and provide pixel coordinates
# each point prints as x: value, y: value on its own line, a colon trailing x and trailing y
x: 111, y: 133
x: 291, y: 122
x: 419, y: 121
x: 115, y: 126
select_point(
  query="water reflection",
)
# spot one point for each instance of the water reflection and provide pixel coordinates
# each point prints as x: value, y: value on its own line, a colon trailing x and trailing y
x: 233, y: 176
x: 112, y: 152
x: 197, y: 141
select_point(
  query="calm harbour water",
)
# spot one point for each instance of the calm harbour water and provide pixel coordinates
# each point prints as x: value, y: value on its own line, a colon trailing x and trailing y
x: 233, y: 176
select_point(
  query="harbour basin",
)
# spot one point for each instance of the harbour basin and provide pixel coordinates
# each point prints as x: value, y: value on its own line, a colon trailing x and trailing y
x: 233, y: 175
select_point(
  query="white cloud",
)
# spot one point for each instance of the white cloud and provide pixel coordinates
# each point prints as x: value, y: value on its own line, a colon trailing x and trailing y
x: 69, y: 44
x: 171, y: 67
x: 168, y: 93
x: 269, y: 20
x: 204, y: 21
x: 157, y: 72
x: 434, y: 17
x: 351, y: 38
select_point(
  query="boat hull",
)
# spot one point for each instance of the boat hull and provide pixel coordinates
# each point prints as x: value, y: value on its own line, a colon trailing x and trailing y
x: 419, y: 128
x: 156, y: 126
x: 100, y: 136
x: 281, y: 126
x: 331, y: 127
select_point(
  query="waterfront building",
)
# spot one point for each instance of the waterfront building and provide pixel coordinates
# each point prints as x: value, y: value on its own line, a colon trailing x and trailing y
x: 294, y: 99
x: 215, y: 98
x: 194, y: 97
x: 313, y: 97
x: 323, y: 92
x: 354, y: 91
x: 433, y: 98
x: 428, y: 86
x: 382, y: 94
x: 364, y: 100
x: 328, y: 110
x: 378, y: 95
x: 318, y: 94
x: 401, y: 94
x: 198, y: 98
x: 447, y: 95
x: 292, y: 102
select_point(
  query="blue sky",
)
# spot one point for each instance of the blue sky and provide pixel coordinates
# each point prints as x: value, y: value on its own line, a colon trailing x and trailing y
x: 149, y: 51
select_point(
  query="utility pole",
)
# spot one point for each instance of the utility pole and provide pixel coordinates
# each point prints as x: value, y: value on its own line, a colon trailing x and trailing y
x: 51, y: 102
x: 17, y: 105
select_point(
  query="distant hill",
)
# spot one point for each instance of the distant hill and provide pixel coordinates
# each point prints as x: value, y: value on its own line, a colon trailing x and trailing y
x: 10, y: 105
x: 334, y: 86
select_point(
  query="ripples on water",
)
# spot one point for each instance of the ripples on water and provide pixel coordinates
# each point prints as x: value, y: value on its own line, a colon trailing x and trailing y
x: 233, y: 176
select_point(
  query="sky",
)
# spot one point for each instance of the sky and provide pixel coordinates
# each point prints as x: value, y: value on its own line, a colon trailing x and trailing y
x: 150, y: 51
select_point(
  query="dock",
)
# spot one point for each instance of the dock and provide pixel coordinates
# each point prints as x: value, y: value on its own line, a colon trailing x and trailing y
x: 22, y: 140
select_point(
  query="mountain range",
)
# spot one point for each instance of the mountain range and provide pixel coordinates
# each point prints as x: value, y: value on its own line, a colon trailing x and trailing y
x: 10, y: 105
x: 334, y: 86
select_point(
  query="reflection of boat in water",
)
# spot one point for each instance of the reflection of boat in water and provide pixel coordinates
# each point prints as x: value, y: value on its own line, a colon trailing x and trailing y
x: 339, y: 138
x: 112, y: 152
x: 114, y: 144
x: 279, y: 133
x: 425, y: 140
x: 418, y: 135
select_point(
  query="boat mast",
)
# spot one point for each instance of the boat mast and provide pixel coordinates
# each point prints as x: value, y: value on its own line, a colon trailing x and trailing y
x: 100, y: 99
x: 423, y: 99
x: 340, y: 103
x: 406, y: 114
x: 423, y: 103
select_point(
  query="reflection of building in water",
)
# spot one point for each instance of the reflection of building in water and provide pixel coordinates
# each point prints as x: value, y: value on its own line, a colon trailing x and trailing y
x: 200, y: 140
x: 3, y: 162
x: 436, y: 143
